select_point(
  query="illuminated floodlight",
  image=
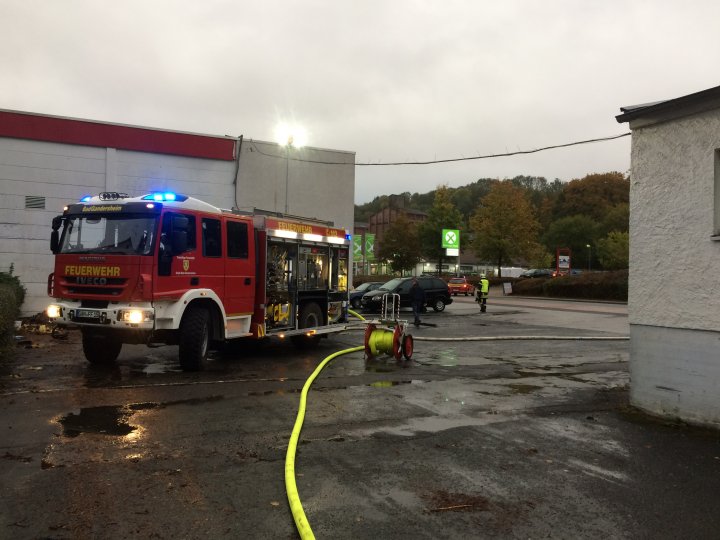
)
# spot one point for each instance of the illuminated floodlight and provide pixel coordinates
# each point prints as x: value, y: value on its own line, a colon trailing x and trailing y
x: 312, y: 237
x: 287, y: 135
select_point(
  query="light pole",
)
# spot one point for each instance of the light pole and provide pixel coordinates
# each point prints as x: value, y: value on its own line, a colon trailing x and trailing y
x: 288, y: 136
x: 589, y: 254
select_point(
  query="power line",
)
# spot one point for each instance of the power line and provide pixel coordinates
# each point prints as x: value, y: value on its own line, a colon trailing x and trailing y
x: 450, y: 160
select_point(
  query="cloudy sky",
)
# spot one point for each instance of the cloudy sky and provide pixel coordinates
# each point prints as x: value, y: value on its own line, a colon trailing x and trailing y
x: 391, y: 80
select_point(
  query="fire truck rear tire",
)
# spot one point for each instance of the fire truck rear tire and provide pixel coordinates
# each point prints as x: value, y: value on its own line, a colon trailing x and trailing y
x: 310, y: 316
x: 100, y: 348
x: 194, y: 338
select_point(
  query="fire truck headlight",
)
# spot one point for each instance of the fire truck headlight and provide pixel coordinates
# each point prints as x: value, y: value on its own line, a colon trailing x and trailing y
x: 135, y: 316
x: 53, y: 311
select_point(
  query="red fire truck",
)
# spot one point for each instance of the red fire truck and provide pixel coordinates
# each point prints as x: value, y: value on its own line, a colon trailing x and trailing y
x: 167, y: 268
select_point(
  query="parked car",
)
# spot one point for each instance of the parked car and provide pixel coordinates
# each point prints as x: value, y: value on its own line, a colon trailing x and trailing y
x: 536, y: 272
x: 437, y: 294
x: 571, y: 272
x: 356, y: 294
x: 460, y: 285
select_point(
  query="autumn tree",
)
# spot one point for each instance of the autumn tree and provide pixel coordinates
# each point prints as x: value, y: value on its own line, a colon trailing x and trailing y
x: 574, y: 232
x: 617, y: 218
x: 442, y: 215
x: 592, y: 195
x: 400, y: 245
x: 504, y: 225
x: 614, y: 251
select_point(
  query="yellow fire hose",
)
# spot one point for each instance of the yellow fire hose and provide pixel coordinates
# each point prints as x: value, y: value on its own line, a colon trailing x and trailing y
x: 301, y: 522
x: 378, y: 340
x: 355, y: 314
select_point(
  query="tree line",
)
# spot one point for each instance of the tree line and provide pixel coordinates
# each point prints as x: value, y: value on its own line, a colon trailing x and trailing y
x: 519, y: 221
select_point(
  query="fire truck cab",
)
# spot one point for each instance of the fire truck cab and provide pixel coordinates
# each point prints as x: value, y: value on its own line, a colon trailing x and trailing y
x: 167, y: 268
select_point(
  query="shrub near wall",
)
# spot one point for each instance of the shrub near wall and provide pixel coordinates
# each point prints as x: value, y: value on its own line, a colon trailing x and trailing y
x: 12, y: 295
x: 588, y: 286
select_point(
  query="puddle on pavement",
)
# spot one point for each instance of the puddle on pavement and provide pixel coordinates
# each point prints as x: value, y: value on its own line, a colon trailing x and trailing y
x: 113, y: 420
x: 107, y: 420
x: 381, y: 367
x: 390, y: 384
x: 155, y: 366
x: 445, y: 358
x: 278, y: 392
x: 524, y: 388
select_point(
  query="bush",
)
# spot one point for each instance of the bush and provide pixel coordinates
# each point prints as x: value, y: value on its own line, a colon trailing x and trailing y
x: 589, y: 285
x: 12, y: 295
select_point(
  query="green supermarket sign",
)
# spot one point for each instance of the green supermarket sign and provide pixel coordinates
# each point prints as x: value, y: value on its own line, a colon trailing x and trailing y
x: 451, y: 238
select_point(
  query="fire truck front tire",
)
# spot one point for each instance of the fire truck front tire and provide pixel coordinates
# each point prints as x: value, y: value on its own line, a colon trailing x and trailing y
x: 194, y: 338
x: 310, y: 317
x: 100, y: 348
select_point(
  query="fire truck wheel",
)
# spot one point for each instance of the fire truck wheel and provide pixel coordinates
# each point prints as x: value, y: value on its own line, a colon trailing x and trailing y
x: 100, y: 348
x: 194, y: 339
x: 310, y: 317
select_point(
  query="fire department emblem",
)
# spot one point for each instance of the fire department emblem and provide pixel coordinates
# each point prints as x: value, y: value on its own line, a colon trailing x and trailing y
x: 186, y: 265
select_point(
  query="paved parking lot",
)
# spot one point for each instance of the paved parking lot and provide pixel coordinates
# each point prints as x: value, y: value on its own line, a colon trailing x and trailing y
x: 472, y: 439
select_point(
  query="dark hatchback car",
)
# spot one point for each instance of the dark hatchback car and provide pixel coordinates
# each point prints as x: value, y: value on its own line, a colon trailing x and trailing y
x: 357, y: 293
x: 536, y: 272
x: 437, y: 295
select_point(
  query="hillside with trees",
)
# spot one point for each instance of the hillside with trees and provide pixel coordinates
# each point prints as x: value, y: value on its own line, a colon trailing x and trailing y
x: 519, y: 221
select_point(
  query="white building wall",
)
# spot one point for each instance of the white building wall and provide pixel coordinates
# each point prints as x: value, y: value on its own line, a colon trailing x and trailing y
x: 674, y: 311
x: 63, y: 173
x: 315, y: 189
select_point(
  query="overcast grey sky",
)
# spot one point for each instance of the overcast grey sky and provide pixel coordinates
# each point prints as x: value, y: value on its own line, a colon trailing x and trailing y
x: 392, y: 80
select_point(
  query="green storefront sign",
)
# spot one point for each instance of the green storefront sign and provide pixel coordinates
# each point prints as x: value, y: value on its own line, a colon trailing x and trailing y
x: 451, y: 238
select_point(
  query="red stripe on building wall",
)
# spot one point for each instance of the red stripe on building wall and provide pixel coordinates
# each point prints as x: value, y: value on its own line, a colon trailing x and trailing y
x: 70, y: 131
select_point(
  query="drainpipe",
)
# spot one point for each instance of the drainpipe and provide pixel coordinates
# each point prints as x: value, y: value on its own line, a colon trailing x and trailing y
x: 237, y: 171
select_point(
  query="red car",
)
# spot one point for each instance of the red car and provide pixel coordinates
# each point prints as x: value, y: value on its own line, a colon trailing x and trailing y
x: 460, y: 285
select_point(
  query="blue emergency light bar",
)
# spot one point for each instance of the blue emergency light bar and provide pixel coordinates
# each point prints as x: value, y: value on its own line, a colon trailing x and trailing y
x: 166, y: 196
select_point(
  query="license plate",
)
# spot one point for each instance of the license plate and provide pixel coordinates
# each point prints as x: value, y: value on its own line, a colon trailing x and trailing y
x: 87, y: 314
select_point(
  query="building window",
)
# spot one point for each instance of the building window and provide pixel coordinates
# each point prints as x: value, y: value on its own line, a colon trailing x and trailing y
x: 32, y: 201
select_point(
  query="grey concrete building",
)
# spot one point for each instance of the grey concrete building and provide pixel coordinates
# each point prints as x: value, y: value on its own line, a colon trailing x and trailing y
x: 674, y: 311
x: 48, y: 161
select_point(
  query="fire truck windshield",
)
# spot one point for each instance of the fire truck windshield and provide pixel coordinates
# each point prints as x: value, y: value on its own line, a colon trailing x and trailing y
x: 126, y: 234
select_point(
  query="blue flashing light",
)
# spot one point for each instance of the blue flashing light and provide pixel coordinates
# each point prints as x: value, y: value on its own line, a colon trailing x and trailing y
x: 166, y: 196
x: 348, y: 237
x: 86, y: 198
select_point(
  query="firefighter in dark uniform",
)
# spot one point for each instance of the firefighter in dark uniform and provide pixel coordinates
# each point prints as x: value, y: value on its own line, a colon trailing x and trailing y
x: 417, y: 298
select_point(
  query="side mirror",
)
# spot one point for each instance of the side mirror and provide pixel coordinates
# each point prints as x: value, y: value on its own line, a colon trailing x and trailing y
x: 179, y: 242
x: 56, y: 222
x: 54, y: 241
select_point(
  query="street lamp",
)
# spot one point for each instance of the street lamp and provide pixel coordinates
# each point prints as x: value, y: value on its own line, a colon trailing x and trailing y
x: 589, y: 253
x: 288, y: 136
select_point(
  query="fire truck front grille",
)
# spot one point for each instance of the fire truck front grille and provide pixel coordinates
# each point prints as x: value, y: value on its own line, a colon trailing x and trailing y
x: 109, y: 286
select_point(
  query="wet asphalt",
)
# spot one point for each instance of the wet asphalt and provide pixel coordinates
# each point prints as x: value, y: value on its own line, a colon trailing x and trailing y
x: 471, y: 439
